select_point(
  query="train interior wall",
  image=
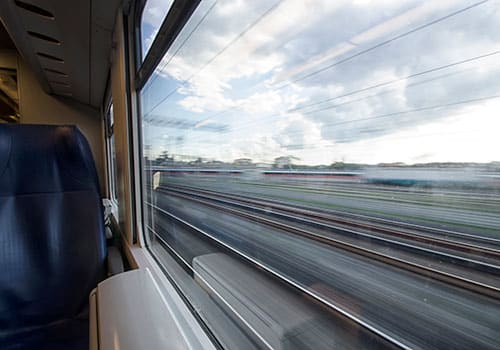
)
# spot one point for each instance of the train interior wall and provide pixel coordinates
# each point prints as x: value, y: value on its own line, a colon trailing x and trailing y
x: 118, y: 86
x: 38, y: 107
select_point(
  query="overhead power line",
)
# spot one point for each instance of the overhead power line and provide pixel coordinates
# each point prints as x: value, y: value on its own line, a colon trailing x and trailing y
x: 393, y: 81
x: 195, y: 28
x: 220, y: 52
x: 383, y: 43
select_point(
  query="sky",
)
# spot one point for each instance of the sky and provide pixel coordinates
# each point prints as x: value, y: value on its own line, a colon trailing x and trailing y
x: 326, y: 81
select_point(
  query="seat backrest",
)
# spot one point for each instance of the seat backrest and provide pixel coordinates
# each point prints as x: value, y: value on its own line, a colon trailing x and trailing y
x: 52, y: 242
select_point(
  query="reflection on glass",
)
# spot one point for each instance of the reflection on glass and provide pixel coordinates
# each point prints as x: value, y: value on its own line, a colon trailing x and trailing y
x: 112, y: 154
x: 153, y: 15
x: 345, y: 152
x: 9, y: 96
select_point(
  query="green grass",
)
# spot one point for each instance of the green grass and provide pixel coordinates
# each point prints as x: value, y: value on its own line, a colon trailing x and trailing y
x: 440, y: 201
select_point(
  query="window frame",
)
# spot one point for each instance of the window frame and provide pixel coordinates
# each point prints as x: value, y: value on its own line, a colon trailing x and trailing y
x: 137, y: 32
x: 110, y: 162
x: 177, y: 16
x: 111, y: 166
x: 140, y: 70
x: 140, y: 251
x: 136, y: 246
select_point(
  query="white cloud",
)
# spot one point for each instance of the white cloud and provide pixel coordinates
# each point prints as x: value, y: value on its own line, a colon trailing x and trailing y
x: 227, y: 74
x: 469, y: 136
x: 376, y: 32
x: 153, y: 15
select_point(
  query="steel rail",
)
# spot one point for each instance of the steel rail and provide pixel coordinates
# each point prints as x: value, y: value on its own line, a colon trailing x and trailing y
x: 422, y: 270
x: 288, y: 281
x: 368, y: 222
x: 414, y: 236
x: 180, y: 259
x: 466, y: 262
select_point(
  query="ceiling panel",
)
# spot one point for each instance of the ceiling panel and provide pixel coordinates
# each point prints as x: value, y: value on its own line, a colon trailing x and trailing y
x: 66, y: 43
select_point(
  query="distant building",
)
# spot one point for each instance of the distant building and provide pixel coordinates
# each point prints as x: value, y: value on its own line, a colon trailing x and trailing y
x: 215, y: 164
x: 263, y: 165
x: 282, y: 162
x: 242, y: 161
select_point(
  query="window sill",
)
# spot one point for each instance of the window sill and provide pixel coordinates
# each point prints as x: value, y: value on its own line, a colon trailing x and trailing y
x: 188, y: 326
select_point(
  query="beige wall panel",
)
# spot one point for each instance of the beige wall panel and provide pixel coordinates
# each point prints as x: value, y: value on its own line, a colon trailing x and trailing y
x: 8, y: 59
x: 118, y: 88
x: 37, y: 107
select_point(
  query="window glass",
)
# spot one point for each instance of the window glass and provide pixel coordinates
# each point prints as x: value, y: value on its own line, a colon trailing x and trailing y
x: 153, y: 15
x: 326, y: 174
x: 111, y: 154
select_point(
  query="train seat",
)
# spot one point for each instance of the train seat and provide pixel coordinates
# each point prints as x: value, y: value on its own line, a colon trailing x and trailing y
x: 52, y: 240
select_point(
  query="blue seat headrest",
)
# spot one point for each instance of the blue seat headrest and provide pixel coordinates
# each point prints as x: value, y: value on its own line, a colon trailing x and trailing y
x: 44, y: 158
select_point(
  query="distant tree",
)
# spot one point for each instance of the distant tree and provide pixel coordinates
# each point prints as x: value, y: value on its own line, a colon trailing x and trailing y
x: 163, y: 158
x: 345, y: 166
x: 337, y: 165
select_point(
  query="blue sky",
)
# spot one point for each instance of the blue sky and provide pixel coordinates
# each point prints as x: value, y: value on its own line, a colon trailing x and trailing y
x: 325, y: 81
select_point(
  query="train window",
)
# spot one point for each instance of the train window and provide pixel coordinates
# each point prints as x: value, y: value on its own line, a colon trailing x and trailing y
x: 110, y: 137
x: 153, y: 14
x: 326, y: 174
x: 9, y: 91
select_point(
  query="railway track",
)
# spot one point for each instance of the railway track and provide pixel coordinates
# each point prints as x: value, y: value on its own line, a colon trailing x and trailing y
x: 322, y: 286
x: 461, y: 271
x: 389, y: 341
x: 485, y: 246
